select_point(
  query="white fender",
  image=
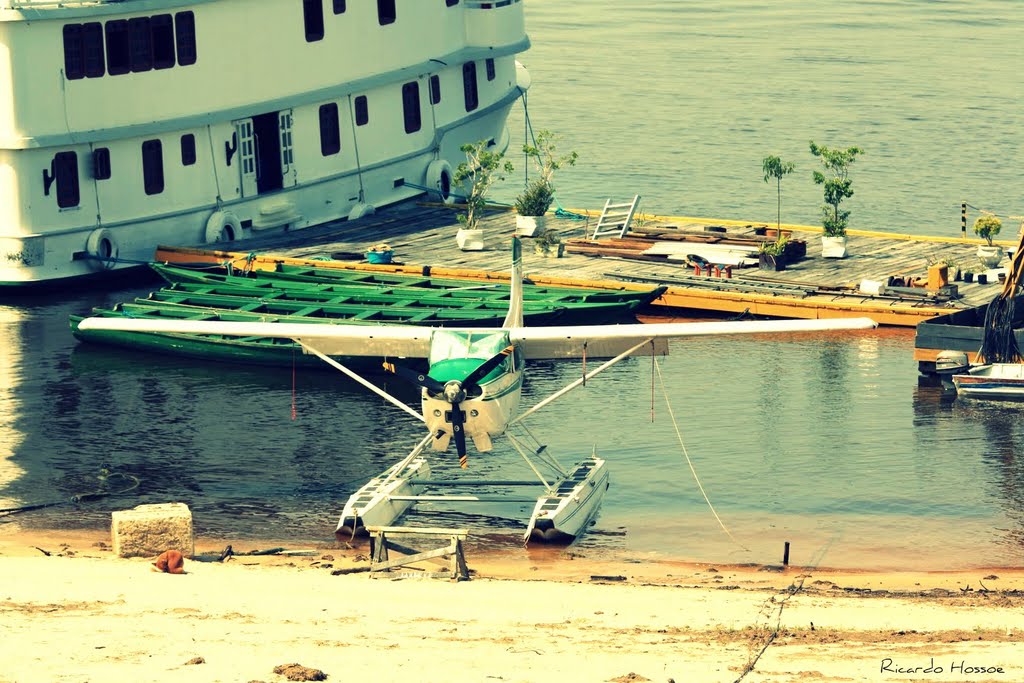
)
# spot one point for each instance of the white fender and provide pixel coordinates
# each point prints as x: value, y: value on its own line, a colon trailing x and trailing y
x: 441, y: 178
x: 222, y: 226
x: 361, y: 209
x: 102, y: 246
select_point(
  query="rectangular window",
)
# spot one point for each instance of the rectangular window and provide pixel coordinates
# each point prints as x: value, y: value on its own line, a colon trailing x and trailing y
x: 74, y: 62
x: 83, y: 51
x: 185, y: 37
x: 162, y: 26
x: 101, y: 163
x: 490, y: 68
x: 142, y: 44
x: 339, y: 6
x: 119, y: 54
x: 411, y: 106
x: 330, y: 132
x: 386, y: 12
x: 435, y: 89
x: 313, y: 19
x: 65, y: 173
x: 92, y: 42
x: 469, y: 86
x: 188, y: 149
x: 362, y: 111
x: 451, y: 3
x: 153, y: 166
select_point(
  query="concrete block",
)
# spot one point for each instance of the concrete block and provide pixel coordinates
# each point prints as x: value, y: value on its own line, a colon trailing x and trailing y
x: 149, y: 530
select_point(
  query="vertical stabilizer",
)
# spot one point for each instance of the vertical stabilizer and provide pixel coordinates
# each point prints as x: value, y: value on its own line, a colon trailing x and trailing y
x: 515, y: 307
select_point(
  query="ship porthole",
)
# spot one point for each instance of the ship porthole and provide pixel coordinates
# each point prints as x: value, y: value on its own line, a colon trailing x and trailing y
x: 222, y: 226
x: 439, y: 179
x: 103, y: 249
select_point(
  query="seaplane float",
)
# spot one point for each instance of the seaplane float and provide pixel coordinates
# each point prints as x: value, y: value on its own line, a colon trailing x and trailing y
x: 473, y: 389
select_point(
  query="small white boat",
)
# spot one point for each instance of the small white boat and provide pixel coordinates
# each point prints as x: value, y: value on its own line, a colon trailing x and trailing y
x: 383, y: 499
x: 565, y: 513
x: 994, y: 380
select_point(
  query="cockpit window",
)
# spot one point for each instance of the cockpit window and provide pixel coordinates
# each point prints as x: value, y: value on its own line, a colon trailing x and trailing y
x: 447, y: 344
x: 454, y: 355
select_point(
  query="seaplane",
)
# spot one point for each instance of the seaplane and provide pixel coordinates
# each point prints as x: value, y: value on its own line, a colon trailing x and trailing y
x: 471, y: 393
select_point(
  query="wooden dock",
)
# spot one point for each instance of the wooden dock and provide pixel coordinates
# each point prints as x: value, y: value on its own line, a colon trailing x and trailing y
x: 423, y: 239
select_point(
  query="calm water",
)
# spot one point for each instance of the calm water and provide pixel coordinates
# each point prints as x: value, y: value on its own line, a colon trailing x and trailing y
x: 824, y: 441
x: 679, y: 101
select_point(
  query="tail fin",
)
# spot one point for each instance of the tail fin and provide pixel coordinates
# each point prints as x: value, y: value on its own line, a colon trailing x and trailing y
x: 515, y: 304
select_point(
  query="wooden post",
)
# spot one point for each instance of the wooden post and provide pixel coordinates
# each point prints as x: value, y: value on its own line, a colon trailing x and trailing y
x: 963, y: 219
x: 785, y: 555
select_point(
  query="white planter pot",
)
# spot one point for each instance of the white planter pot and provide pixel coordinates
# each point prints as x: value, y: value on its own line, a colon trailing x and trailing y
x: 833, y: 247
x: 530, y: 226
x: 470, y: 240
x: 990, y: 257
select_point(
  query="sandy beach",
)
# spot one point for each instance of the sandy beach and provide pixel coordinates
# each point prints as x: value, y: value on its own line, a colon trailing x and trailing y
x: 82, y: 614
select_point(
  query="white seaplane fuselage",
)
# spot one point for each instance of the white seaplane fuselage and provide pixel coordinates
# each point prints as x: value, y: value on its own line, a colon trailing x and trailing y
x: 491, y: 405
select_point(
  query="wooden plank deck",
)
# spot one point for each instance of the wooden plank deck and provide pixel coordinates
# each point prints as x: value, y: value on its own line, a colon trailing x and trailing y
x: 423, y: 236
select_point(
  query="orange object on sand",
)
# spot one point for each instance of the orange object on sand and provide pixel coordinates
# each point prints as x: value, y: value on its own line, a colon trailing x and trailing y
x: 170, y: 561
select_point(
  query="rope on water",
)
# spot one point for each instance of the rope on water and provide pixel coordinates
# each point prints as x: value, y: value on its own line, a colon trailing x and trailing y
x: 679, y: 435
x: 104, y: 476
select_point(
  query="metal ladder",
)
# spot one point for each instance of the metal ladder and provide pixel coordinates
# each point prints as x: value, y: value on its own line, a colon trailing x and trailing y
x: 615, y: 218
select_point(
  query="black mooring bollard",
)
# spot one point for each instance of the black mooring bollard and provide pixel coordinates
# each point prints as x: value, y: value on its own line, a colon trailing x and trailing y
x: 785, y: 555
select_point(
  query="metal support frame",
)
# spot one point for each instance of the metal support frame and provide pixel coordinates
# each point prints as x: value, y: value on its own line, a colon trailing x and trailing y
x: 380, y: 560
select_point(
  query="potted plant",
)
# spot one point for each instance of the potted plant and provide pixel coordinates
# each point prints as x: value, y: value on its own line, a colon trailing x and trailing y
x: 776, y: 168
x: 987, y: 227
x: 836, y: 182
x: 549, y: 243
x: 481, y: 169
x: 535, y: 199
x: 771, y: 255
x: 380, y: 253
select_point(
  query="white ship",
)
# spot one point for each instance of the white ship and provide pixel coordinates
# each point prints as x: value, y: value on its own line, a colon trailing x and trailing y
x: 129, y: 123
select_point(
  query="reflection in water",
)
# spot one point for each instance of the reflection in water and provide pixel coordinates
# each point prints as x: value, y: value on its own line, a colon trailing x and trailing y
x: 821, y: 440
x: 11, y: 367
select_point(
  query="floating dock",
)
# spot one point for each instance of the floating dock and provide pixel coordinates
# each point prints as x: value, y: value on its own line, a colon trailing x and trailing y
x: 423, y: 239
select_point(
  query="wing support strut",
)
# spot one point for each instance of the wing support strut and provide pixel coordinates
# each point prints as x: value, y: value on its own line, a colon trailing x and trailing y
x: 566, y: 389
x: 369, y: 385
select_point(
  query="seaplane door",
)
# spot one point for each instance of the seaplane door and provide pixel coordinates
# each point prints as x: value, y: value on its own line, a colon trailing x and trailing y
x: 247, y: 156
x: 284, y: 119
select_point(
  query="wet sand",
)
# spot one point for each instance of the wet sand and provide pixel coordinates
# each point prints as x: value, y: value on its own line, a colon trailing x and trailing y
x: 82, y: 614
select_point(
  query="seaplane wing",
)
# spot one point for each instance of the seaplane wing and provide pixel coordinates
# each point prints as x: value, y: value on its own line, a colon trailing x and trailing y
x: 407, y: 341
x: 396, y: 341
x: 606, y: 341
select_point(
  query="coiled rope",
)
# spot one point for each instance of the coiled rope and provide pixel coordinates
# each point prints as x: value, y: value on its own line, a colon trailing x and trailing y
x: 999, y: 344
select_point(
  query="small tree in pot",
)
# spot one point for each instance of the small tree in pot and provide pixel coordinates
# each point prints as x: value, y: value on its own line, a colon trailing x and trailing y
x: 776, y: 168
x: 535, y: 200
x: 836, y: 182
x: 481, y: 169
x: 987, y: 227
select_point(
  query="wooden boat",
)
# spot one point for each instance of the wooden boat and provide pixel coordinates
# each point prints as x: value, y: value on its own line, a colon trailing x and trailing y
x: 353, y: 300
x: 250, y: 350
x: 338, y: 311
x: 993, y: 380
x: 336, y: 279
x: 253, y: 350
